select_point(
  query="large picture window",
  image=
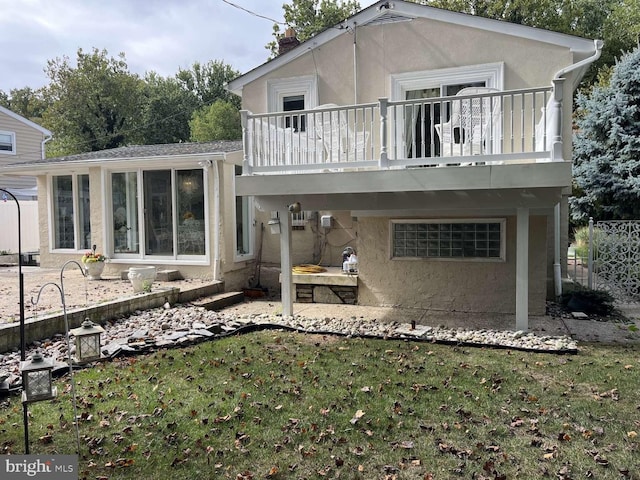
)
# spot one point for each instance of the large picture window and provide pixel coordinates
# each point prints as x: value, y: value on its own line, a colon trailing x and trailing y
x: 71, y: 212
x: 455, y: 239
x: 166, y: 220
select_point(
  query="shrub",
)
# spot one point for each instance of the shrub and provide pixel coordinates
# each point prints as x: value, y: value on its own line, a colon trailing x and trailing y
x: 595, y: 302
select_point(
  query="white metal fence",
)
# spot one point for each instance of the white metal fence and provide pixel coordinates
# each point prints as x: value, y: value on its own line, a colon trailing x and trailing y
x: 9, y: 226
x: 612, y: 260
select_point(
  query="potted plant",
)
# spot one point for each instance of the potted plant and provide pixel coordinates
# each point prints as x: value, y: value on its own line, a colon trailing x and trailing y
x: 93, y: 263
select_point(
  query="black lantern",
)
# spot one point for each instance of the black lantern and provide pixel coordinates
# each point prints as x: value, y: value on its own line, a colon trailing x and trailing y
x: 36, y: 379
x: 87, y: 341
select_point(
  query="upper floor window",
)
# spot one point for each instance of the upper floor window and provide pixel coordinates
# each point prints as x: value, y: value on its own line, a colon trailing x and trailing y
x: 7, y: 142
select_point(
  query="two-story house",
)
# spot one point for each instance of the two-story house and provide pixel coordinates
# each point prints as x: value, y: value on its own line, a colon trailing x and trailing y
x: 21, y: 141
x: 436, y: 143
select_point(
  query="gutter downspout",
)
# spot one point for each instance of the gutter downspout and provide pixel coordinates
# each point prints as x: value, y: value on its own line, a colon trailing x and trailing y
x: 355, y: 66
x: 557, y: 268
x: 47, y: 138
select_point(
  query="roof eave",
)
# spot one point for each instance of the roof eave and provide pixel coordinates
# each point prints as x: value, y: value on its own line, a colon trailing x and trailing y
x: 157, y: 160
x: 26, y: 121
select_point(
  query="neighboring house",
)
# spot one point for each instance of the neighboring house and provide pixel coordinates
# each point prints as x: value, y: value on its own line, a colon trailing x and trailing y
x: 172, y: 206
x: 436, y: 144
x: 21, y: 141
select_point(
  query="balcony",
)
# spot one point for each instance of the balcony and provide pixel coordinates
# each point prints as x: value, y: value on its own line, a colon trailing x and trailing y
x: 478, y: 126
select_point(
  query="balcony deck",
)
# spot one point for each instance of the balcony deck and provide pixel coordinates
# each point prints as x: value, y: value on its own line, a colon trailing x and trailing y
x: 490, y: 128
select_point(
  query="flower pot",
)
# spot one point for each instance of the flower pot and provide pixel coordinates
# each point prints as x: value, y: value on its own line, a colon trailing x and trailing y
x: 94, y: 270
x: 141, y: 278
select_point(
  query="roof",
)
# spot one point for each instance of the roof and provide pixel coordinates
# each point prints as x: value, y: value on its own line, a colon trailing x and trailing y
x: 135, y: 152
x: 399, y: 10
x: 26, y: 121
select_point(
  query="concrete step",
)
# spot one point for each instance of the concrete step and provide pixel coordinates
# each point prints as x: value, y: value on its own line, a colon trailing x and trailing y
x: 219, y: 300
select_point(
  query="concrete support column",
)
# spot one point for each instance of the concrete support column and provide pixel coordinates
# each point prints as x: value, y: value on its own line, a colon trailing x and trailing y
x: 522, y: 269
x: 286, y: 282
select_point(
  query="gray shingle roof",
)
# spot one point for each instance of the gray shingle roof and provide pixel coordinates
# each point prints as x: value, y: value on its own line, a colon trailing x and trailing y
x: 142, y: 151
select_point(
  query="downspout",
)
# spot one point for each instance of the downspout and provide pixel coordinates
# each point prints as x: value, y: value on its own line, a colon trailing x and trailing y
x: 355, y: 66
x: 598, y: 44
x: 557, y: 269
x: 47, y: 138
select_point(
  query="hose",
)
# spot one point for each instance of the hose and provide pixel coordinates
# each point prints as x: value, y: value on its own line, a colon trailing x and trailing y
x: 308, y: 268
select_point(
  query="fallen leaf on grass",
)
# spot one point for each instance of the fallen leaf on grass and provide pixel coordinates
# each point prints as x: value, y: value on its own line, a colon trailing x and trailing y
x: 358, y: 415
x: 407, y: 444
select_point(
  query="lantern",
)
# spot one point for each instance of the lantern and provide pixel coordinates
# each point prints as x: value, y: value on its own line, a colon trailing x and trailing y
x: 87, y: 341
x: 36, y: 379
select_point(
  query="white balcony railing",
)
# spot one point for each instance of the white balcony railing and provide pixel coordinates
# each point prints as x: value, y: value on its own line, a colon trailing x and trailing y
x: 477, y: 126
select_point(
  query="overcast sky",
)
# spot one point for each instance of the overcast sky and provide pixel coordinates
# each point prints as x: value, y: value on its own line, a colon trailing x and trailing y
x: 158, y: 35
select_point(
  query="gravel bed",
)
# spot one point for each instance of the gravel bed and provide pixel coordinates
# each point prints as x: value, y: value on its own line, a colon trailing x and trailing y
x: 180, y: 325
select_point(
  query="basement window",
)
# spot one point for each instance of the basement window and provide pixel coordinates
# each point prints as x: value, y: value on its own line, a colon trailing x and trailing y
x: 472, y: 239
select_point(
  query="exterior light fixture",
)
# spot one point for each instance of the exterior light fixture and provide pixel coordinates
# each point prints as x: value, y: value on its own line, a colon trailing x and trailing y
x: 87, y: 341
x: 36, y: 379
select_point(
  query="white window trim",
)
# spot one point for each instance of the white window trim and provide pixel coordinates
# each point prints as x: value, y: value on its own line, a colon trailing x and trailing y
x: 140, y: 258
x: 401, y: 83
x: 490, y: 73
x: 13, y: 143
x: 76, y: 219
x: 278, y: 89
x: 503, y: 237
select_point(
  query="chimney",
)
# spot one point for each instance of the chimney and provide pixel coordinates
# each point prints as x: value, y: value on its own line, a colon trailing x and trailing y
x: 288, y: 42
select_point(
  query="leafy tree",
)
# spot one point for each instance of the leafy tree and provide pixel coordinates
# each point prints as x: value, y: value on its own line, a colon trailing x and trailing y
x: 207, y: 82
x: 166, y: 110
x: 607, y: 147
x: 94, y: 105
x: 309, y: 17
x: 220, y: 121
x: 25, y: 101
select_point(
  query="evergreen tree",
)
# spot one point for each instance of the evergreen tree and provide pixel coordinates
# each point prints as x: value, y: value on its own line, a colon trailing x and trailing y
x: 606, y: 152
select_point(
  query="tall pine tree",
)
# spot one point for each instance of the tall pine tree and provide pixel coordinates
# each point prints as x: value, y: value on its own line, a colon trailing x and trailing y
x: 606, y: 151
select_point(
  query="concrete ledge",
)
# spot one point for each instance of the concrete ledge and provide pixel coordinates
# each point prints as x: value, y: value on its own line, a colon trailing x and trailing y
x: 340, y: 279
x: 47, y: 326
x: 190, y: 294
x: 220, y: 300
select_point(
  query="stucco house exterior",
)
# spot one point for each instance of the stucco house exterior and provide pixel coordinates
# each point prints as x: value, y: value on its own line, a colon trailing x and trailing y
x: 436, y: 144
x: 172, y: 206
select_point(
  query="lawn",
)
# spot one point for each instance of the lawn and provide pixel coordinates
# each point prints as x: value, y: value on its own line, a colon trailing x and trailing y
x: 279, y: 405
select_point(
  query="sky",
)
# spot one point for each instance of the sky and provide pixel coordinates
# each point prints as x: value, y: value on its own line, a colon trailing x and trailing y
x: 155, y: 35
